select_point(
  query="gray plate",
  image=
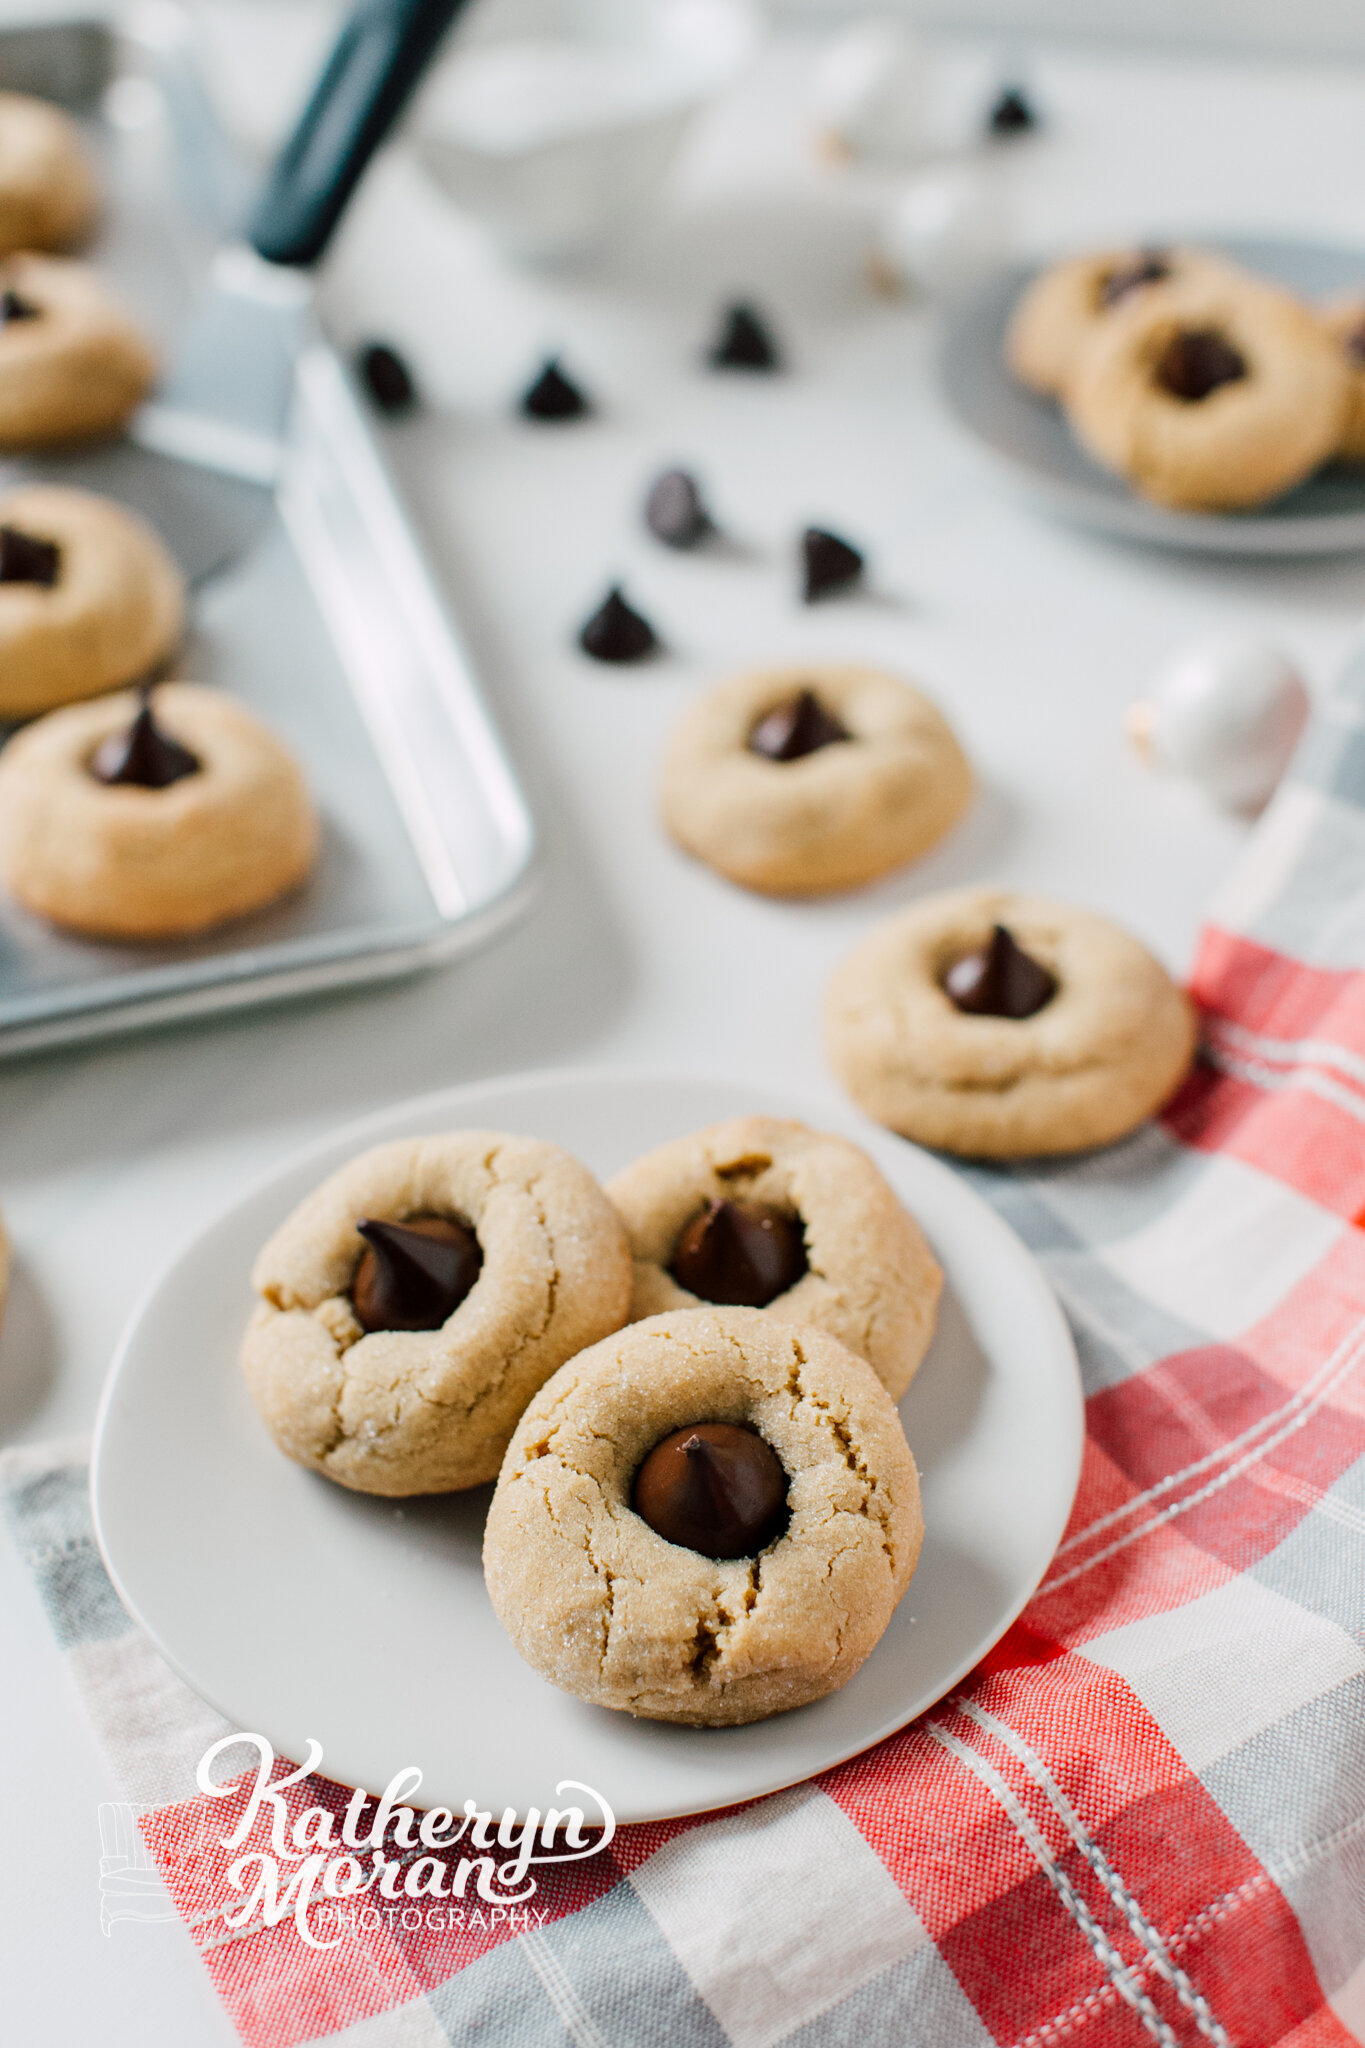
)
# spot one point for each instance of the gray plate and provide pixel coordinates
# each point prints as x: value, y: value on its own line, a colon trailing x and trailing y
x: 1326, y: 515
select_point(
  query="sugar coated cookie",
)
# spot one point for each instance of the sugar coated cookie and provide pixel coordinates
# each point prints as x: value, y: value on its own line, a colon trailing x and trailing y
x: 1210, y: 397
x: 764, y: 1213
x: 1066, y: 303
x: 47, y: 190
x: 708, y: 1518
x: 1002, y: 1026
x: 414, y: 1303
x: 1345, y: 326
x: 799, y: 780
x: 129, y: 820
x: 73, y: 365
x: 89, y: 598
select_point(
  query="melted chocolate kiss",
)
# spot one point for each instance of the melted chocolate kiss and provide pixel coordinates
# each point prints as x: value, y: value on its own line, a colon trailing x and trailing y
x: 413, y: 1275
x: 674, y: 512
x: 1148, y: 266
x: 740, y: 1254
x: 744, y: 342
x: 26, y: 559
x: 616, y: 633
x: 1011, y: 114
x: 1354, y: 344
x: 800, y: 726
x: 553, y: 397
x: 714, y: 1487
x: 387, y: 378
x: 1000, y: 980
x: 12, y: 307
x: 145, y: 755
x: 1195, y: 361
x: 828, y: 563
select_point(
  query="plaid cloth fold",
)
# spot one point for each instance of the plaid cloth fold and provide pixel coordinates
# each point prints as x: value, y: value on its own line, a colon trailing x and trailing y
x: 1143, y: 1817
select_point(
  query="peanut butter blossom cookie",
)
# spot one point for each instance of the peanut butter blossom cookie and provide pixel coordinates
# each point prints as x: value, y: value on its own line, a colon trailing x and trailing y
x: 89, y: 598
x: 414, y: 1303
x: 709, y: 1518
x: 1069, y: 302
x: 73, y: 365
x: 1002, y: 1026
x: 763, y: 1213
x: 151, y: 817
x: 47, y: 190
x: 797, y: 781
x: 1345, y: 327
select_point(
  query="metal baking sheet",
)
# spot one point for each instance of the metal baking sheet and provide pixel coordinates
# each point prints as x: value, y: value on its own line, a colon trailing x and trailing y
x: 328, y: 624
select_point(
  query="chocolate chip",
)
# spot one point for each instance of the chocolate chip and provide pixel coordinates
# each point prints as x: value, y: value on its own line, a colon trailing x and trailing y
x: 1011, y: 114
x: 413, y: 1275
x: 1148, y: 266
x: 714, y: 1487
x: 740, y: 1254
x: 144, y: 756
x: 744, y: 342
x: 1354, y: 344
x: 674, y: 512
x: 616, y: 633
x: 800, y: 726
x: 12, y: 307
x: 387, y: 377
x: 999, y: 980
x: 26, y: 559
x: 828, y: 564
x: 1195, y: 361
x: 553, y: 396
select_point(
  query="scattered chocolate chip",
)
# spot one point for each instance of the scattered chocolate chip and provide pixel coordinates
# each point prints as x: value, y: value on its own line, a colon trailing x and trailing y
x: 553, y: 396
x: 740, y: 1254
x: 1195, y: 361
x: 616, y: 633
x: 744, y: 342
x: 1147, y: 266
x: 26, y: 559
x: 413, y: 1275
x: 828, y: 564
x: 12, y: 307
x: 144, y: 756
x: 999, y: 980
x: 1011, y: 114
x: 387, y: 377
x: 714, y: 1487
x: 674, y: 512
x: 800, y: 726
x: 1354, y: 344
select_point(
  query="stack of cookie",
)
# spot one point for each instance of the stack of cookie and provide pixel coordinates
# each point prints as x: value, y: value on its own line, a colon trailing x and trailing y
x: 1205, y: 387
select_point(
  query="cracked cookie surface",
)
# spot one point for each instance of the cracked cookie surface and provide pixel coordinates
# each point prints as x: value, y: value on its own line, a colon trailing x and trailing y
x: 1105, y: 1052
x: 402, y: 1412
x: 871, y: 1280
x: 603, y: 1607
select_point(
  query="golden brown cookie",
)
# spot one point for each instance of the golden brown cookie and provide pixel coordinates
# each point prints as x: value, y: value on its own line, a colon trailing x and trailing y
x: 113, y: 611
x: 870, y: 775
x: 73, y: 365
x: 47, y: 190
x: 857, y: 1265
x: 1345, y: 326
x: 427, y: 1410
x: 1066, y: 303
x: 1101, y: 1051
x: 1210, y: 397
x: 604, y: 1606
x: 127, y: 861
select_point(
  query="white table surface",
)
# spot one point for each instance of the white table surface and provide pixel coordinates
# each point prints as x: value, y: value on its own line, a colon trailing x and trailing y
x: 1033, y: 638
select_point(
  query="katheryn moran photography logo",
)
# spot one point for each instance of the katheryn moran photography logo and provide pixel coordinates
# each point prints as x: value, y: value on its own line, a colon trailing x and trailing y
x: 337, y: 1871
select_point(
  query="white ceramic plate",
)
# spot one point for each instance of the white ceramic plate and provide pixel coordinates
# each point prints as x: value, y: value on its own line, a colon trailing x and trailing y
x: 298, y: 1609
x: 1325, y: 515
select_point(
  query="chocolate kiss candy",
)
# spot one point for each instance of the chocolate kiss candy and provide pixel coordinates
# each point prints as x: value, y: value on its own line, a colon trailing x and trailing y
x: 1001, y: 980
x: 740, y: 1254
x: 1148, y: 266
x: 387, y: 377
x: 1196, y: 360
x: 828, y: 562
x: 553, y: 397
x: 715, y: 1487
x: 616, y: 633
x: 1011, y: 114
x: 744, y: 343
x: 145, y: 755
x: 674, y: 512
x: 26, y: 559
x: 800, y: 726
x: 413, y: 1275
x: 12, y: 307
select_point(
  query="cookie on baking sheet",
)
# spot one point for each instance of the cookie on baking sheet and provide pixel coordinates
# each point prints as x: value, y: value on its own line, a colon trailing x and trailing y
x: 1002, y: 1026
x: 133, y: 819
x: 1345, y: 326
x: 48, y: 198
x: 765, y: 1443
x: 763, y: 1212
x: 73, y: 365
x: 89, y: 598
x: 415, y: 1301
x: 1210, y: 397
x: 1065, y: 304
x: 799, y: 780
